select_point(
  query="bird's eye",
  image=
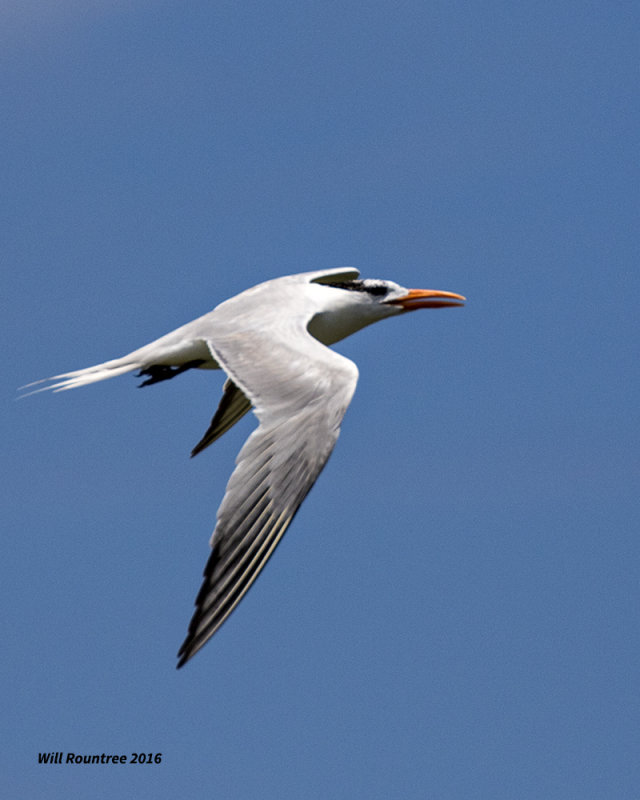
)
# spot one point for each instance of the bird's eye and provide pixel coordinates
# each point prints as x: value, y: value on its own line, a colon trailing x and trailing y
x: 376, y: 289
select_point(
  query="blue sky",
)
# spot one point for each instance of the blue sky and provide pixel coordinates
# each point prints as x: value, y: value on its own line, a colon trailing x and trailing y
x: 454, y: 611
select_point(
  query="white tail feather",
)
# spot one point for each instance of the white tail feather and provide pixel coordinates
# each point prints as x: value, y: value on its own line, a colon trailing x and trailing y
x: 175, y: 349
x: 82, y: 377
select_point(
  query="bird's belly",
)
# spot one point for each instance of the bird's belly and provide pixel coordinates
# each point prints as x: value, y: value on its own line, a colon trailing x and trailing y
x: 183, y: 353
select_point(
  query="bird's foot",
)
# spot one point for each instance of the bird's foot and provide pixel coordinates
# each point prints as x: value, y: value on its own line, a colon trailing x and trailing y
x: 162, y: 372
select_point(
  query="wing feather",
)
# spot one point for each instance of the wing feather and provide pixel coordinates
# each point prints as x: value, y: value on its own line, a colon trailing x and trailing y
x: 233, y: 406
x: 300, y: 391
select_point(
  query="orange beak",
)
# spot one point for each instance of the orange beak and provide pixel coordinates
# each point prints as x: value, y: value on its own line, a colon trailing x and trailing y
x: 427, y: 298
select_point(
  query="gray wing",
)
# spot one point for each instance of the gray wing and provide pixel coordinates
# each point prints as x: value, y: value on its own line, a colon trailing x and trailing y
x: 300, y: 391
x: 233, y: 406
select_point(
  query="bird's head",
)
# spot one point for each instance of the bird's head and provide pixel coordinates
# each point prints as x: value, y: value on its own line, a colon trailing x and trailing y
x: 350, y: 305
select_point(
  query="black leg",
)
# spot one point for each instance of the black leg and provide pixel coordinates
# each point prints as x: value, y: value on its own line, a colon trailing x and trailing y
x: 161, y: 372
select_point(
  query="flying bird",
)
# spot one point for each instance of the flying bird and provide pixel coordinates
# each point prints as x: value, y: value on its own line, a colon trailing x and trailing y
x: 271, y: 341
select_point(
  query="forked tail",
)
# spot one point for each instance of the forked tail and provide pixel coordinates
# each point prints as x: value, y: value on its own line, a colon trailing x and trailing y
x: 82, y: 377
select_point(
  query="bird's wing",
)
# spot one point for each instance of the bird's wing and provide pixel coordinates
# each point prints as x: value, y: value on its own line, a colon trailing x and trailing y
x: 233, y: 405
x: 300, y: 391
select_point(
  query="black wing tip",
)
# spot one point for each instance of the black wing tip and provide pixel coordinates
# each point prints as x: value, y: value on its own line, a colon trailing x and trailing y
x: 186, y: 651
x: 206, y: 440
x: 182, y: 661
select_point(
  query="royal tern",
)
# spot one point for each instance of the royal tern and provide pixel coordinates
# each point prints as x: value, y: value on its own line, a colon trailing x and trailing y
x: 270, y: 341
